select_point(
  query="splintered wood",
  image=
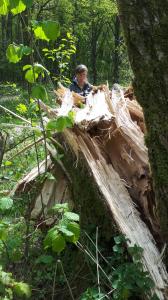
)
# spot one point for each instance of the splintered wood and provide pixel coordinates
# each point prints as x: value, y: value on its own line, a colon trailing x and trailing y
x: 109, y: 133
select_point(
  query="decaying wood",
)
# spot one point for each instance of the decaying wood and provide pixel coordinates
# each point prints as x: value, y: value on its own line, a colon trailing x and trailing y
x: 109, y: 133
x: 53, y: 190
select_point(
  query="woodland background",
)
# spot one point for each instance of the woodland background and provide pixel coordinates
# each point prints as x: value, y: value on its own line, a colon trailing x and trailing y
x: 36, y: 261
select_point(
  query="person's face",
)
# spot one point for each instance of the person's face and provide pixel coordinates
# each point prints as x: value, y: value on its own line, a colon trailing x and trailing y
x: 82, y: 78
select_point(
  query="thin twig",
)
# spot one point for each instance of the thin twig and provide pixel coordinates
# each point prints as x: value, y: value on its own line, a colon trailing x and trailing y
x: 26, y: 148
x: 97, y: 260
x: 81, y: 247
x: 70, y: 290
x: 106, y: 296
x: 15, y: 115
x: 55, y: 273
x: 98, y: 250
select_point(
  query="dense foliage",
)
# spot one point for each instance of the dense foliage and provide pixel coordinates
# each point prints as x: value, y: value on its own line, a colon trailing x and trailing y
x: 94, y: 25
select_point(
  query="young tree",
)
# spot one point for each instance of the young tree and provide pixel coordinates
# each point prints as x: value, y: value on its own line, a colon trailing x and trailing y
x: 145, y: 25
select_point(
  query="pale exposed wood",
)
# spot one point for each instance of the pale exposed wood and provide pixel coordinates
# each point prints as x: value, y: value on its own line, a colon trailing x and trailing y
x: 32, y: 175
x: 112, y: 142
x: 117, y: 157
x: 122, y: 208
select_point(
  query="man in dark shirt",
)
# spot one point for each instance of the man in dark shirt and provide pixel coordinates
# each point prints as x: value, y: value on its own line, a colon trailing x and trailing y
x: 80, y: 84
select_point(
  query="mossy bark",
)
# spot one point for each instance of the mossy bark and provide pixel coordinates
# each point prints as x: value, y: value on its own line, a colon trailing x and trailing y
x: 87, y: 198
x: 145, y: 25
x: 1, y: 147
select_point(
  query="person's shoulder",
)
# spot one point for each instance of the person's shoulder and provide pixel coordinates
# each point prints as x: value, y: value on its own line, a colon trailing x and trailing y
x: 72, y: 86
x: 89, y: 85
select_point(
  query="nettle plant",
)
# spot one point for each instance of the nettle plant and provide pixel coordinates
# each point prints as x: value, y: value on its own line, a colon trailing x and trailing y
x: 67, y: 229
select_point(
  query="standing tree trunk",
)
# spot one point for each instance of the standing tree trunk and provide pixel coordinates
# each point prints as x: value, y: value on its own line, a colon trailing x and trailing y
x: 145, y: 25
x: 1, y: 148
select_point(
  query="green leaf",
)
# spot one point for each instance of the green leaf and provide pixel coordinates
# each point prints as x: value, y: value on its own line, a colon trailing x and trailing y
x: 31, y: 76
x: 22, y: 289
x: 66, y: 232
x: 34, y: 71
x: 6, y: 203
x: 39, y: 92
x: 75, y: 229
x: 7, y: 163
x: 26, y: 67
x: 45, y: 259
x: 5, y: 278
x: 26, y: 50
x: 17, y: 6
x: 72, y: 216
x: 4, y: 7
x: 52, y: 233
x: 120, y: 239
x: 60, y: 207
x: 3, y: 232
x: 46, y: 30
x: 58, y: 243
x: 59, y: 124
x: 15, y: 52
x: 51, y: 29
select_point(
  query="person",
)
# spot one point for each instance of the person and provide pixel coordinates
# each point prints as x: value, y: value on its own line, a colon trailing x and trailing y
x: 80, y: 84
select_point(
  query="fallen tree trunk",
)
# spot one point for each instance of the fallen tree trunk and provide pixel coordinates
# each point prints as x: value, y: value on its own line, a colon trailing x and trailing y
x: 106, y: 158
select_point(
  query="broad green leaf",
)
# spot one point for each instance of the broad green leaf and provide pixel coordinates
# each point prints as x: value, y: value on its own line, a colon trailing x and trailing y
x: 75, y: 229
x: 51, y: 29
x: 34, y: 71
x: 6, y: 203
x: 7, y: 163
x: 26, y: 67
x: 52, y: 233
x: 46, y: 30
x: 17, y: 6
x: 31, y: 76
x: 5, y: 278
x: 40, y: 68
x: 59, y: 124
x: 26, y: 50
x: 72, y: 216
x: 15, y: 52
x: 4, y: 7
x: 40, y: 34
x: 58, y: 243
x: 60, y: 207
x: 22, y: 289
x: 45, y: 259
x: 39, y: 92
x: 66, y: 232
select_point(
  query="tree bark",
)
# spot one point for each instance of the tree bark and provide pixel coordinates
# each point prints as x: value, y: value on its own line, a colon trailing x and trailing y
x: 1, y: 147
x: 145, y: 25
